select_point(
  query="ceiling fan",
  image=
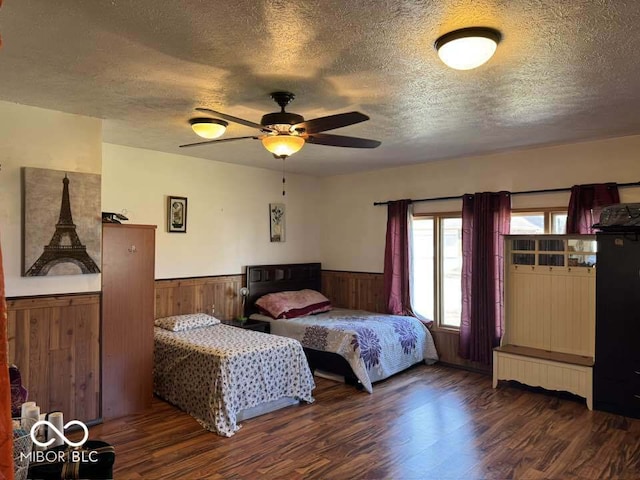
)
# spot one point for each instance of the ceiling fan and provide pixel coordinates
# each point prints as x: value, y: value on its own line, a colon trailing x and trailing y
x: 284, y: 133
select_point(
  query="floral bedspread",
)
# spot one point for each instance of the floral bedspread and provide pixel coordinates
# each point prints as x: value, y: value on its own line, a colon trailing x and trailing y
x: 214, y: 372
x: 375, y: 345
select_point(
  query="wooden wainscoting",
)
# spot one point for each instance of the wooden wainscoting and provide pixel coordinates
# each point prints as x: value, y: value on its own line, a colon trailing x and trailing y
x: 354, y: 290
x: 447, y: 342
x: 190, y: 295
x: 220, y: 295
x: 55, y: 341
x: 365, y: 291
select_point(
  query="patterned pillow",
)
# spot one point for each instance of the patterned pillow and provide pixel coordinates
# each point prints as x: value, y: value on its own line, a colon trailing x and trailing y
x: 293, y: 304
x: 178, y: 323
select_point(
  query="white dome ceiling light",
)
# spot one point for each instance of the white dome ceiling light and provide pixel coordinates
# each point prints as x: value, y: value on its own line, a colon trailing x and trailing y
x: 468, y: 48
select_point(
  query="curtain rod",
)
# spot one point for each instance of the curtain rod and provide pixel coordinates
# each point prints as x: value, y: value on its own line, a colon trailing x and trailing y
x: 524, y: 192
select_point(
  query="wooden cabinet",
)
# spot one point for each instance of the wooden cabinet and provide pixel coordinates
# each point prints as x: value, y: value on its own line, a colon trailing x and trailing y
x: 55, y: 341
x: 549, y: 331
x: 128, y: 259
x: 617, y: 367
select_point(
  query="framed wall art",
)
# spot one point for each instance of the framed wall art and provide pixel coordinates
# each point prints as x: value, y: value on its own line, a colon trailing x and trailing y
x: 276, y: 216
x: 177, y: 214
x: 62, y: 223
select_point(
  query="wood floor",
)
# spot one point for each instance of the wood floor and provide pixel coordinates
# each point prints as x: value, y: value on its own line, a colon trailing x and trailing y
x: 427, y: 423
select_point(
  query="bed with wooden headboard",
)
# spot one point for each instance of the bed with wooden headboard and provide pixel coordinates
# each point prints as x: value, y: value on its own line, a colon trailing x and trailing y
x: 264, y: 279
x: 401, y: 341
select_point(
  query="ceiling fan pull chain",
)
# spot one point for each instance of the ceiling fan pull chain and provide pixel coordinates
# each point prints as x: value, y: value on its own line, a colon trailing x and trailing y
x: 283, y: 180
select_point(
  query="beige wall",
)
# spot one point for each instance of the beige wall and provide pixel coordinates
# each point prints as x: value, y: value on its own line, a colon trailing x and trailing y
x: 354, y: 230
x: 228, y: 218
x: 331, y: 219
x: 227, y: 211
x: 34, y: 137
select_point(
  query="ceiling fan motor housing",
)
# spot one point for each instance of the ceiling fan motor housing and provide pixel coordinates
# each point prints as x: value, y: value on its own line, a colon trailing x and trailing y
x: 281, y: 121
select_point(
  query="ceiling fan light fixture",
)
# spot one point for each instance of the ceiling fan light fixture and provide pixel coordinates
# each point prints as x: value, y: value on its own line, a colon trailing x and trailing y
x: 208, y: 128
x: 468, y: 48
x: 283, y: 145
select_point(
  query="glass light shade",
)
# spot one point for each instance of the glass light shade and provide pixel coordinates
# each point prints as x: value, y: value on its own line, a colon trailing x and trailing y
x: 209, y: 128
x: 283, y: 145
x: 467, y: 48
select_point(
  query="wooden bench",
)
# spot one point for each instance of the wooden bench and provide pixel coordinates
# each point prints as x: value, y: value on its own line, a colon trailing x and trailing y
x: 543, y: 368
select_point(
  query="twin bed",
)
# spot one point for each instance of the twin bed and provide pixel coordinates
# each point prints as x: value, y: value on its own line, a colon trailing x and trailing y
x: 221, y: 374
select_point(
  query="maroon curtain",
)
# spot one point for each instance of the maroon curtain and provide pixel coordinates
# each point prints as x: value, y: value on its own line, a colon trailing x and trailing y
x: 396, y: 259
x: 586, y: 203
x: 485, y: 219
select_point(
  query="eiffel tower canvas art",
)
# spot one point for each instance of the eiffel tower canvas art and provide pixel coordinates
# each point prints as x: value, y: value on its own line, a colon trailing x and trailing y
x: 62, y: 223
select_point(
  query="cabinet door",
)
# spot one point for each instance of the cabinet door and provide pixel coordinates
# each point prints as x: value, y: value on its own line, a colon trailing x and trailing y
x: 127, y: 319
x: 618, y: 297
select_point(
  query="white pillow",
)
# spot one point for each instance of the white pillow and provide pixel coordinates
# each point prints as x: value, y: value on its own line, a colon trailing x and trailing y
x: 178, y: 323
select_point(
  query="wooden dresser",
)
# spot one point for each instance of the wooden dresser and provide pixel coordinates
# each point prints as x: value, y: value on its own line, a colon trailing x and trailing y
x: 617, y: 370
x: 128, y: 263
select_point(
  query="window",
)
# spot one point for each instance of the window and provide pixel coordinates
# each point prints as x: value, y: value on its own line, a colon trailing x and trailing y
x: 436, y: 259
x: 451, y: 272
x: 437, y: 247
x: 423, y: 262
x: 526, y: 222
x: 558, y: 222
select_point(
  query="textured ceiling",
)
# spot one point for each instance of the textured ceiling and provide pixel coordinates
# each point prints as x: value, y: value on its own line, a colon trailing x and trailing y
x: 566, y: 70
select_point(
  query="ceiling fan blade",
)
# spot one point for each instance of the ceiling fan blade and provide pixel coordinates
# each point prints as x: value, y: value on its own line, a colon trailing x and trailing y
x: 342, y: 141
x: 216, y: 141
x: 231, y: 118
x: 322, y: 124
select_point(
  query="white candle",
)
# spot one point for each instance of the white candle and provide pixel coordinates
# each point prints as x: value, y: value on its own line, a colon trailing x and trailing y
x: 26, y: 424
x: 33, y: 413
x: 57, y: 421
x: 25, y: 406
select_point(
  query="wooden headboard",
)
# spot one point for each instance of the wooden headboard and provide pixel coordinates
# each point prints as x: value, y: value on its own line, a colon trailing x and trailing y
x: 263, y: 279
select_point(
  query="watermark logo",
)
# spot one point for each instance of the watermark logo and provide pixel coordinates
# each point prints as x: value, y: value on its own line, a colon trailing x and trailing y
x: 74, y: 454
x: 49, y: 425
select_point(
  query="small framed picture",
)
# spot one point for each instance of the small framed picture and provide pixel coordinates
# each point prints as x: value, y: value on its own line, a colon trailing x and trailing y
x: 177, y: 215
x: 276, y: 215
